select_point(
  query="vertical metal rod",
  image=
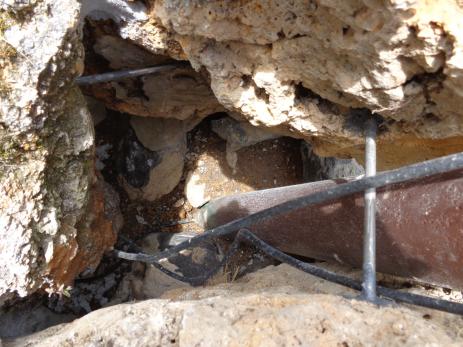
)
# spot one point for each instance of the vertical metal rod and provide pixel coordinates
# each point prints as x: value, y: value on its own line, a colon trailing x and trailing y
x: 369, y: 233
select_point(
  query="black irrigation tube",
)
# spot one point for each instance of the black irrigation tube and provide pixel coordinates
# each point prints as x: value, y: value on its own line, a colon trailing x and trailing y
x: 409, y: 298
x: 411, y: 172
x: 416, y: 171
x: 194, y: 281
x: 245, y: 235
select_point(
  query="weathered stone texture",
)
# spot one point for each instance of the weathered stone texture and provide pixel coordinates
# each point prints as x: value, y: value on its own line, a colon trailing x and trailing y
x: 48, y: 207
x: 309, y: 69
x: 318, y: 68
x: 277, y: 306
x: 167, y: 139
x: 135, y: 42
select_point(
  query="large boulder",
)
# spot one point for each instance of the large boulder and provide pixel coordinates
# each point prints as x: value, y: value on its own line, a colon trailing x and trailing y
x: 53, y: 220
x: 318, y: 69
x: 277, y: 306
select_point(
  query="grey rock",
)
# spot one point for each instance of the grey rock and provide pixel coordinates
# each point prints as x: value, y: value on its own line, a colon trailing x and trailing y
x: 47, y: 141
x: 317, y: 168
x: 166, y: 139
x: 29, y: 318
x: 96, y: 109
x: 134, y: 161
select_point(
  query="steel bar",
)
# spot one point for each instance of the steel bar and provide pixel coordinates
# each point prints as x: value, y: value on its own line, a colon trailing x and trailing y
x: 369, y: 235
x: 118, y: 75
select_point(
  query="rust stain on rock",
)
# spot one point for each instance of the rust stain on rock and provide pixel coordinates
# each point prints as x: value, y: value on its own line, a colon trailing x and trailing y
x: 95, y: 235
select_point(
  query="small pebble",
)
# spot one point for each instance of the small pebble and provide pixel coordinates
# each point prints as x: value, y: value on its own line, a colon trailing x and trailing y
x: 179, y: 202
x: 398, y: 328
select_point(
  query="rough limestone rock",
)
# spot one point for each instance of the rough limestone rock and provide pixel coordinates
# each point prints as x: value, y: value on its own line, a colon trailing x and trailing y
x: 318, y: 69
x: 26, y: 318
x: 53, y: 220
x: 313, y: 69
x: 278, y: 306
x: 310, y: 69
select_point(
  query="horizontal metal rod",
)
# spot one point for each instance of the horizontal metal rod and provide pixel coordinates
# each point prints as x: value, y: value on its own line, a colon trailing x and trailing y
x: 418, y: 225
x: 118, y: 75
x: 425, y: 169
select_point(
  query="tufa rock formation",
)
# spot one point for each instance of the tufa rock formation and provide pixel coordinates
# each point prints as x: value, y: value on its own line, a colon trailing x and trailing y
x: 318, y: 69
x: 55, y: 214
x: 290, y: 309
x: 309, y: 69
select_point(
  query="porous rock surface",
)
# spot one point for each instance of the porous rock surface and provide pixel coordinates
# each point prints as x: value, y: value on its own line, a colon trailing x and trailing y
x: 277, y: 306
x: 179, y: 92
x: 318, y: 69
x: 308, y: 69
x: 53, y: 220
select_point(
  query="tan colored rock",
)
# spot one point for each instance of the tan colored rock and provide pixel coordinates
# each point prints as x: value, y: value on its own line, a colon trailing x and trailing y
x: 196, y: 189
x: 239, y: 135
x: 162, y: 135
x: 134, y: 24
x: 277, y: 306
x: 313, y: 68
x: 125, y: 55
x: 267, y: 164
x: 179, y: 93
x: 317, y: 71
x: 163, y: 178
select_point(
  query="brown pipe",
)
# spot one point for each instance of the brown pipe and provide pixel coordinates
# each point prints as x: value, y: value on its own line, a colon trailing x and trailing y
x: 419, y: 226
